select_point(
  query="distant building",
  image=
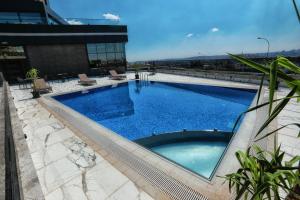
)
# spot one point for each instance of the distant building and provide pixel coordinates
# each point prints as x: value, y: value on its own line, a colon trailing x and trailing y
x: 33, y: 35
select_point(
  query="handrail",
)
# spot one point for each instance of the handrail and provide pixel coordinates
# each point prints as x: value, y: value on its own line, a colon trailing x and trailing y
x: 87, y: 21
x: 25, y: 20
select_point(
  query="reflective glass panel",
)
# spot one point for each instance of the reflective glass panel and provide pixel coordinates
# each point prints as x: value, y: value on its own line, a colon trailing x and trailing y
x: 9, y: 17
x: 91, y: 48
x: 119, y: 47
x: 12, y: 52
x: 93, y: 56
x: 110, y: 47
x: 101, y: 48
x: 102, y: 57
x: 119, y: 56
x: 110, y: 56
x: 31, y: 18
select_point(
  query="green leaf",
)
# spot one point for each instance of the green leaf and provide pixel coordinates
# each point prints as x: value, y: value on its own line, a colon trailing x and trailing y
x: 296, y: 10
x: 272, y: 86
x: 260, y: 88
x: 251, y: 63
x: 293, y: 161
x: 284, y: 62
x: 257, y: 107
x: 295, y: 124
x: 242, y: 190
x: 264, y: 69
x: 277, y: 110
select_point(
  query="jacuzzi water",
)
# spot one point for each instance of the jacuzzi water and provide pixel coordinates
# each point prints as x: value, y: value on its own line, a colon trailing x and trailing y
x: 138, y: 110
x: 200, y: 157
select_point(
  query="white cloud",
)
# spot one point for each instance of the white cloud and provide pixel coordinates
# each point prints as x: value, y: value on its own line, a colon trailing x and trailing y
x: 189, y: 35
x: 111, y: 17
x: 74, y: 22
x: 215, y: 29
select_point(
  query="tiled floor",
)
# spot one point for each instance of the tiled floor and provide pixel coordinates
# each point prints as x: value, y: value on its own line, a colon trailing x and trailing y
x: 69, y: 169
x: 288, y: 137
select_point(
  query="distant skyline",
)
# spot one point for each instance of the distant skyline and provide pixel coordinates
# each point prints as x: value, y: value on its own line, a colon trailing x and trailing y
x: 175, y: 28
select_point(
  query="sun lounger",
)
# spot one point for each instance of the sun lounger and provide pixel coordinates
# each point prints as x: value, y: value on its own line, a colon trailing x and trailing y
x: 115, y: 76
x: 84, y: 80
x: 40, y: 85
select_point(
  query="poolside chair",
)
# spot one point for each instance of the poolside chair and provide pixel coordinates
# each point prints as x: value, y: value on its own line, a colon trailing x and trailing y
x: 40, y: 85
x: 21, y: 82
x: 115, y: 76
x: 84, y: 80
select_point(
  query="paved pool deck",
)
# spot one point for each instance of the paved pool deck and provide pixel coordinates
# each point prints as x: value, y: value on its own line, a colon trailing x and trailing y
x: 68, y: 167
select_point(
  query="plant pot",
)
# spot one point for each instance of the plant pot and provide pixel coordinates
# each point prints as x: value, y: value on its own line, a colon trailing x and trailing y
x: 137, y: 76
x: 35, y: 94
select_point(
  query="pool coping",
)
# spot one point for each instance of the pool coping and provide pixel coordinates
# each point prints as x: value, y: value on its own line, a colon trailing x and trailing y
x: 187, y: 177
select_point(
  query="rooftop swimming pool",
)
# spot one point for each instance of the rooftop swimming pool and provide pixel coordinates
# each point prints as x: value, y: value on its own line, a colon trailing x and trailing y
x: 138, y: 110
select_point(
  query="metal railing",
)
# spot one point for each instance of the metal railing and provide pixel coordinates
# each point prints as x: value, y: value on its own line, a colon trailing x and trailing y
x: 70, y: 21
x: 86, y: 21
x: 25, y: 20
x: 12, y: 189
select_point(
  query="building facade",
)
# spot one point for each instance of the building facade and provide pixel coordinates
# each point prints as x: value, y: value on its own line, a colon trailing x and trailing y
x: 33, y: 35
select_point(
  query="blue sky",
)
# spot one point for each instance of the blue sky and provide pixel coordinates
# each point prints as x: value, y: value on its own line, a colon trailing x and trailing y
x: 181, y: 28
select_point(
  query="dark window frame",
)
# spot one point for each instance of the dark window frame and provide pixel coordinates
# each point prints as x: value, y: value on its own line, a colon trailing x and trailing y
x: 93, y: 48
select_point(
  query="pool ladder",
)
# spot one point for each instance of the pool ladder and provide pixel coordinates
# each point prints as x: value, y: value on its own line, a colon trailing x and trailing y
x: 144, y: 78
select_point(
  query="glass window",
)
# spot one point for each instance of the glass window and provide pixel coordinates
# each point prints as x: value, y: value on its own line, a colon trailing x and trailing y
x: 111, y: 56
x: 102, y: 57
x: 31, y: 18
x: 106, y: 54
x: 92, y: 48
x: 119, y: 47
x: 93, y: 56
x: 101, y: 48
x: 9, y: 17
x: 110, y: 47
x: 123, y: 55
x: 21, y: 18
x: 52, y: 21
x: 119, y: 56
x: 12, y: 52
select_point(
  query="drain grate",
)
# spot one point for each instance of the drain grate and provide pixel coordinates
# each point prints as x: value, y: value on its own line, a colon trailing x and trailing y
x: 156, y: 177
x: 168, y: 185
x: 165, y: 183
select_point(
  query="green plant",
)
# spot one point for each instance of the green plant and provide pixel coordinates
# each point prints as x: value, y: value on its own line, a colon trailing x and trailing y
x: 274, y: 70
x: 259, y: 177
x: 136, y: 67
x: 296, y: 9
x: 32, y: 73
x: 262, y: 174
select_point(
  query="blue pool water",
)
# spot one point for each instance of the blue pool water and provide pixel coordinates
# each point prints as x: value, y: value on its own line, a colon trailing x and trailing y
x: 200, y: 157
x: 139, y: 110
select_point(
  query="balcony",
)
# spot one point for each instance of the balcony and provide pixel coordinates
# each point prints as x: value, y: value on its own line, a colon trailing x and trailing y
x: 85, y: 21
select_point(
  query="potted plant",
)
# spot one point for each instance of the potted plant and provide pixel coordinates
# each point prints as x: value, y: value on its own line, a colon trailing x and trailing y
x: 32, y: 74
x: 262, y: 175
x: 137, y: 69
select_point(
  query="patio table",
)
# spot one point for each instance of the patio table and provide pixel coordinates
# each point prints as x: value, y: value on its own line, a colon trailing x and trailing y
x: 63, y: 76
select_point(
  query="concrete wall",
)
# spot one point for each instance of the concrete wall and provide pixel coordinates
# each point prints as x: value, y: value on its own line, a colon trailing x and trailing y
x: 243, y: 77
x: 29, y: 184
x: 55, y: 59
x: 2, y: 145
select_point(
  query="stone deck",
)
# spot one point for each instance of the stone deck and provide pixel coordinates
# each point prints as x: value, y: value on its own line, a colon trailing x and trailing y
x: 68, y: 168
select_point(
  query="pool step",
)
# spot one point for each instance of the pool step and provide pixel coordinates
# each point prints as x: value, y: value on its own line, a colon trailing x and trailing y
x: 184, y: 136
